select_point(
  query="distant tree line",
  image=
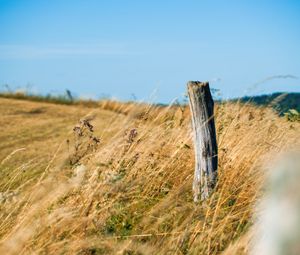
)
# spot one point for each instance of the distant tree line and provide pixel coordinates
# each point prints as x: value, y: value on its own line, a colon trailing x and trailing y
x: 281, y: 102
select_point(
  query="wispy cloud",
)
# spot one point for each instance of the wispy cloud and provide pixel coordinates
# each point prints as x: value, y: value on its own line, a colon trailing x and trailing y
x: 62, y: 51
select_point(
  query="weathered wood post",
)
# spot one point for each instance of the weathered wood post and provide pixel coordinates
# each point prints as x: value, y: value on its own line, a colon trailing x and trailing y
x: 205, y: 142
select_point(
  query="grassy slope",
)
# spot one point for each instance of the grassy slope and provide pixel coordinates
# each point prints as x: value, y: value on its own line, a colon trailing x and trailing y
x: 133, y: 195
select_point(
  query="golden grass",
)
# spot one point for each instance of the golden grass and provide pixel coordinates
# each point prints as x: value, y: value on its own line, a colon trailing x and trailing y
x: 131, y: 194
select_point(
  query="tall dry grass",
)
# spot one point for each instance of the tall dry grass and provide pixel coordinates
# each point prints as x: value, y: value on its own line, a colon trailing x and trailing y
x: 132, y: 194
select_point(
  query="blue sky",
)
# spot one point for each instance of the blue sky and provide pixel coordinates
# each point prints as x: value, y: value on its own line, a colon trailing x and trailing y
x: 120, y: 48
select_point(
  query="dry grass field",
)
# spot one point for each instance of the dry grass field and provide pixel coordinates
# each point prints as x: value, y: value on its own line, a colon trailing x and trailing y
x: 116, y: 178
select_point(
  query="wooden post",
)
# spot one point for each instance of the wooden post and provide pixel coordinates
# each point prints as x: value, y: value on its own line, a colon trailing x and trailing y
x: 205, y: 143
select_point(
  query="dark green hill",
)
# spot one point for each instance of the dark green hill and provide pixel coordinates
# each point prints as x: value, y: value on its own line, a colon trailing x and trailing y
x: 280, y: 101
